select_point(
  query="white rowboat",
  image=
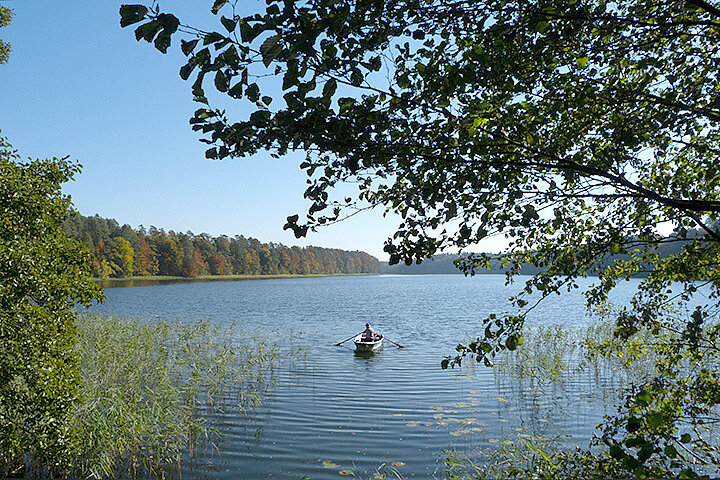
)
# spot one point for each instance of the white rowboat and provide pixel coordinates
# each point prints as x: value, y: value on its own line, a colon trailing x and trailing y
x: 365, y: 346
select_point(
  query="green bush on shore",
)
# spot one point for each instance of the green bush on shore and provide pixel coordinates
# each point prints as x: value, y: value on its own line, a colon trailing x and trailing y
x: 43, y: 276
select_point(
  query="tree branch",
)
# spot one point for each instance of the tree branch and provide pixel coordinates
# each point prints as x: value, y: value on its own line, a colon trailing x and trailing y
x: 706, y: 7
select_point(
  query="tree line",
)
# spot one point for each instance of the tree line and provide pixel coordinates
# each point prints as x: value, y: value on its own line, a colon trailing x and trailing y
x: 123, y: 251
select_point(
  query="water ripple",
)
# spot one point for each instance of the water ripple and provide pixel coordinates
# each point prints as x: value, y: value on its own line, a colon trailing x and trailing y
x: 331, y: 410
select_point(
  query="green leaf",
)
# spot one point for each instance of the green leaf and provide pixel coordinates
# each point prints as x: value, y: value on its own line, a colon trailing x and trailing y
x: 403, y: 80
x: 530, y: 214
x: 170, y: 24
x: 645, y: 452
x: 231, y: 57
x: 356, y: 77
x: 228, y: 24
x: 582, y: 62
x: 616, y: 452
x: 147, y: 31
x: 329, y: 88
x: 270, y: 49
x: 188, y: 47
x: 290, y: 79
x: 203, y: 56
x: 252, y: 92
x: 130, y: 14
x: 236, y: 91
x: 218, y: 5
x: 197, y: 88
x: 685, y: 438
x: 374, y: 64
x: 671, y: 451
x: 162, y: 42
x: 212, y: 37
x: 655, y: 419
x: 329, y: 51
x: 187, y: 69
x: 644, y: 397
x: 633, y: 424
x: 221, y: 81
x: 260, y: 118
x: 246, y: 32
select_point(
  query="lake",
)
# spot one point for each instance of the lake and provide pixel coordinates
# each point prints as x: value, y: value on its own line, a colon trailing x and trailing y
x: 332, y: 412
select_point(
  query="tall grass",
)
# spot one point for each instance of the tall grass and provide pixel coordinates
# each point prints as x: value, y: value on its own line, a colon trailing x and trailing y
x: 553, y: 354
x: 567, y: 361
x: 546, y: 355
x: 537, y: 460
x: 147, y: 388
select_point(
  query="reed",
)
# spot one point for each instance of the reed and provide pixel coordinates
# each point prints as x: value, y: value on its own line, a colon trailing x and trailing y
x: 553, y: 354
x: 563, y: 360
x: 537, y: 460
x: 547, y: 354
x: 150, y: 389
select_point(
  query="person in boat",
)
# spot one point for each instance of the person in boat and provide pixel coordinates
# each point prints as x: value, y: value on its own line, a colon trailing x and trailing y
x: 369, y: 334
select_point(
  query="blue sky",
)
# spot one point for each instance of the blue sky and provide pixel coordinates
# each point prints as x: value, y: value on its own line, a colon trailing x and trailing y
x: 77, y: 84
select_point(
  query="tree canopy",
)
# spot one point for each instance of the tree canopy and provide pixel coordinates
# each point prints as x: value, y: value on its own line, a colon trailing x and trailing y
x: 5, y: 17
x: 124, y: 252
x: 580, y: 130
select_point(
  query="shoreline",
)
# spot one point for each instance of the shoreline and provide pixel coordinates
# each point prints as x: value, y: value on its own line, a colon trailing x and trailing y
x: 168, y: 280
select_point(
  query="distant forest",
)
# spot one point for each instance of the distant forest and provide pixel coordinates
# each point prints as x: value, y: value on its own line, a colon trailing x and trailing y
x: 440, y: 264
x: 122, y: 251
x: 444, y: 263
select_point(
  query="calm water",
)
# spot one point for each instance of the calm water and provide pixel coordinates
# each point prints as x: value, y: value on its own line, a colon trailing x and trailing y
x: 332, y: 411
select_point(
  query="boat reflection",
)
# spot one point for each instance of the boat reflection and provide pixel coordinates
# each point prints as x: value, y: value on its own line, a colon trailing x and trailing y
x: 367, y: 354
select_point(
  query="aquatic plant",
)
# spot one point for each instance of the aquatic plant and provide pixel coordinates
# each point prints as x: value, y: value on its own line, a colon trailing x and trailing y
x: 636, y: 374
x: 525, y: 459
x: 552, y: 354
x: 545, y: 355
x: 151, y: 389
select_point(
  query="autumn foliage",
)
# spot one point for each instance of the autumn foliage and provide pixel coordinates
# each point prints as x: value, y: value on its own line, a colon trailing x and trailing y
x: 122, y: 251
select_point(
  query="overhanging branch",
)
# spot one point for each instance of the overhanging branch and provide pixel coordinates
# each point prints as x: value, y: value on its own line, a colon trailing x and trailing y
x: 706, y: 7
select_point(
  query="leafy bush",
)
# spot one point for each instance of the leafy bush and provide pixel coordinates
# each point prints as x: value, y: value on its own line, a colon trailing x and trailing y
x: 43, y: 276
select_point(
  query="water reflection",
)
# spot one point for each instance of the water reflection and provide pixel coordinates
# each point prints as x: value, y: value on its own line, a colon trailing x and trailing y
x: 153, y: 281
x: 367, y: 354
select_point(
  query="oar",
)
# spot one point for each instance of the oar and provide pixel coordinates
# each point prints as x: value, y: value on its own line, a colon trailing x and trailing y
x: 340, y: 343
x: 393, y: 342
